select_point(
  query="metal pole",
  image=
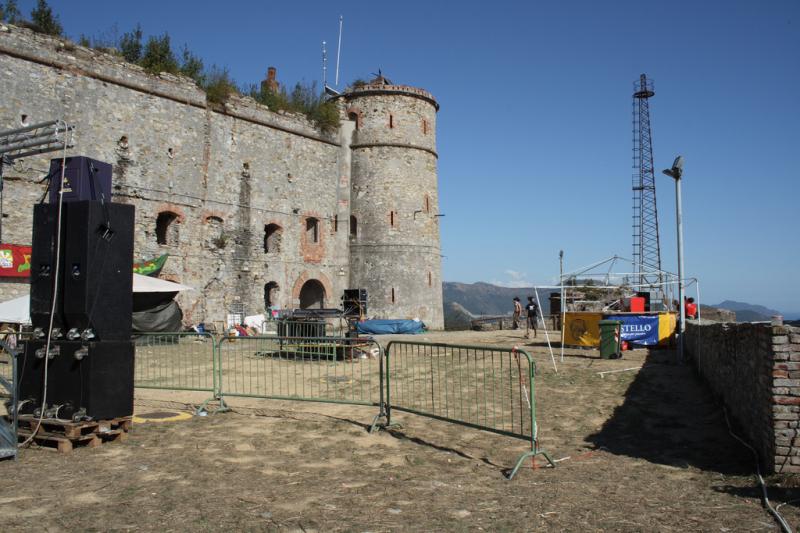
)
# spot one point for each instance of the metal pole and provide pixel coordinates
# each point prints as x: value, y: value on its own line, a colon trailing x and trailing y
x: 2, y: 160
x: 679, y: 214
x: 338, y: 51
x: 563, y: 312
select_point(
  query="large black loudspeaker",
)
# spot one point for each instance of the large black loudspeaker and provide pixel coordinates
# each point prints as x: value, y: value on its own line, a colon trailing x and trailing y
x: 98, y: 269
x: 95, y: 289
x: 84, y: 179
x: 92, y: 379
x: 43, y: 261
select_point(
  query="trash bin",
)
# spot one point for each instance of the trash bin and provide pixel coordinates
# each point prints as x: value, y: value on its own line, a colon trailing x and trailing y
x: 609, y: 339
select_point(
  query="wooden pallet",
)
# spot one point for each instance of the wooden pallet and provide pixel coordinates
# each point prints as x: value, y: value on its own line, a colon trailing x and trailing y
x: 65, y: 436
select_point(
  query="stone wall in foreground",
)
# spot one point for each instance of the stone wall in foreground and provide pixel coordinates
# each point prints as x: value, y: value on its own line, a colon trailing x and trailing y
x: 755, y: 370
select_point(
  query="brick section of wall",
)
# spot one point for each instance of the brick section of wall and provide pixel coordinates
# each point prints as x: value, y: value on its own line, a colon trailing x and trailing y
x: 755, y: 370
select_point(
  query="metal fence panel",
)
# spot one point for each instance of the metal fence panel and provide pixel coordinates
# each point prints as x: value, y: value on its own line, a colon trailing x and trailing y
x: 324, y: 369
x: 176, y: 361
x: 477, y: 386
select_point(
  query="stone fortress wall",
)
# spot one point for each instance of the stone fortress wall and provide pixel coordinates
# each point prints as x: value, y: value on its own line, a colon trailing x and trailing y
x: 247, y: 201
x: 755, y: 371
x: 394, y: 198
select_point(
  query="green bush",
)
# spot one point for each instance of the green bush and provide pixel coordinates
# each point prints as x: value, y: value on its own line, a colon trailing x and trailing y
x: 219, y: 85
x: 44, y: 21
x: 158, y: 56
x: 10, y: 12
x: 305, y: 99
x: 130, y: 45
x: 192, y: 66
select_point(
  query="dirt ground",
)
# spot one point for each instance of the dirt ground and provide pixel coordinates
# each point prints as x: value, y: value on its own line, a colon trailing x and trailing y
x: 639, y: 450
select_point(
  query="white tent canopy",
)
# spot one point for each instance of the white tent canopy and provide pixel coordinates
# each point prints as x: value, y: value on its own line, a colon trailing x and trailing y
x: 148, y: 284
x: 17, y: 311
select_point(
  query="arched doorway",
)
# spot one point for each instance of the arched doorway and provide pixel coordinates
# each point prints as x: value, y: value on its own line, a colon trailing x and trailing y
x: 270, y: 295
x: 312, y: 295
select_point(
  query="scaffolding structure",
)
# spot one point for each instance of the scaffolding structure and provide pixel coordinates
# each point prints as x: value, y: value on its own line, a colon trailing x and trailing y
x: 646, y: 244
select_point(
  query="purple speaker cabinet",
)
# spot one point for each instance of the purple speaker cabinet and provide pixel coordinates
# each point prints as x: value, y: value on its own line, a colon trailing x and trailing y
x: 84, y: 179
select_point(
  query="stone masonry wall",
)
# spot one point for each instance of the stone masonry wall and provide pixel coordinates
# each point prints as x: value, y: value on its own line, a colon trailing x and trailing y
x: 755, y: 370
x: 396, y: 253
x: 225, y: 173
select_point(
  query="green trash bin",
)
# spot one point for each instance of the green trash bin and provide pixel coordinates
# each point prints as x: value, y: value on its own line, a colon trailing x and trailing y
x: 609, y: 339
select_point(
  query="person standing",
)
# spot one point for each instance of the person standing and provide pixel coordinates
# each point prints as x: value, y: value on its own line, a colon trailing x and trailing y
x: 533, y: 311
x: 517, y: 313
x: 691, y: 308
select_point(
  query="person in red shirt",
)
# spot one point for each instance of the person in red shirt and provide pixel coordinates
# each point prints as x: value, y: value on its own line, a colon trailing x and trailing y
x: 691, y: 308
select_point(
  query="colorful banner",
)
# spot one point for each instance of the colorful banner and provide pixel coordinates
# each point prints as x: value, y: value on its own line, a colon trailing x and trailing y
x: 151, y: 267
x: 638, y: 329
x: 666, y: 328
x: 15, y: 261
x: 582, y: 329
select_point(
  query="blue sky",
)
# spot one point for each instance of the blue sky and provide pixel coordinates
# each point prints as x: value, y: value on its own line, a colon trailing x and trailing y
x: 534, y: 131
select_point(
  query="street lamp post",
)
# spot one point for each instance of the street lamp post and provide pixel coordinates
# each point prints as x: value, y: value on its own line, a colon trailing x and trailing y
x: 676, y: 172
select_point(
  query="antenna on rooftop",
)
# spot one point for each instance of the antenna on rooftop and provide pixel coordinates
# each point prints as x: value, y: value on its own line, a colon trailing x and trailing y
x: 330, y: 90
x: 338, y: 51
x: 324, y: 66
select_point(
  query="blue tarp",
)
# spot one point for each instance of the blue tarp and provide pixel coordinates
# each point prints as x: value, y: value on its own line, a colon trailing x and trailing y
x: 385, y: 327
x: 638, y: 329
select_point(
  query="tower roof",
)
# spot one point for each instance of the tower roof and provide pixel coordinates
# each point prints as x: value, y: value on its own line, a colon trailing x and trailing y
x: 381, y: 85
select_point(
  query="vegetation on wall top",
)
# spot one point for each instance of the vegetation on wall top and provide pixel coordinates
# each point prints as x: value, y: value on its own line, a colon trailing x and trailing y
x: 156, y: 55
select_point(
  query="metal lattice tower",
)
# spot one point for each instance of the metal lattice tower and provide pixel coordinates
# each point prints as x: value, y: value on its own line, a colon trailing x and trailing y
x: 646, y: 245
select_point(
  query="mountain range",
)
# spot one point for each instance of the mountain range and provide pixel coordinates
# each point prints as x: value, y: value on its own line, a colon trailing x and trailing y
x: 746, y: 312
x: 463, y: 301
x: 487, y: 299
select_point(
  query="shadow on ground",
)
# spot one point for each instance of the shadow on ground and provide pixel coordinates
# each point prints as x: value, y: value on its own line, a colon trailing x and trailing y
x: 669, y: 417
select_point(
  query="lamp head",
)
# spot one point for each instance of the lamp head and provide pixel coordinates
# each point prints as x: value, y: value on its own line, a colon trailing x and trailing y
x: 677, y: 168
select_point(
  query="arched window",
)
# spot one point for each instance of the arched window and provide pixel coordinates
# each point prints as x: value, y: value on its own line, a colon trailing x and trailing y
x: 312, y: 230
x: 353, y: 226
x: 167, y: 228
x: 270, y: 295
x: 312, y: 295
x: 272, y: 238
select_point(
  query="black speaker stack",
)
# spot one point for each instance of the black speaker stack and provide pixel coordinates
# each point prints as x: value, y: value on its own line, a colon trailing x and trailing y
x: 91, y: 357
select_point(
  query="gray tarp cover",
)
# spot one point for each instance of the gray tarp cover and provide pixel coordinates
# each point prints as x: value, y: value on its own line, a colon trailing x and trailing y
x: 166, y: 316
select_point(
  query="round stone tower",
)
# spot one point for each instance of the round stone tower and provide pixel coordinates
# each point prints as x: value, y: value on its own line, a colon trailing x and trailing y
x: 394, y: 222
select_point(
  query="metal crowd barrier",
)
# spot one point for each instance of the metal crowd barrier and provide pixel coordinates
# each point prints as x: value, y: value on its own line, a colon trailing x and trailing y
x: 176, y: 361
x: 8, y: 386
x: 310, y: 327
x: 319, y: 369
x: 486, y: 388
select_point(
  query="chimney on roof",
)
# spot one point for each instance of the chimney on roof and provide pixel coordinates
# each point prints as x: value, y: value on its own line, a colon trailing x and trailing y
x: 270, y: 84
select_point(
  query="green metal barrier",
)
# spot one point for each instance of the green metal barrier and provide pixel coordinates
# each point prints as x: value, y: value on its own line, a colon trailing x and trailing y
x: 176, y: 361
x: 310, y: 327
x: 486, y: 388
x: 319, y: 369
